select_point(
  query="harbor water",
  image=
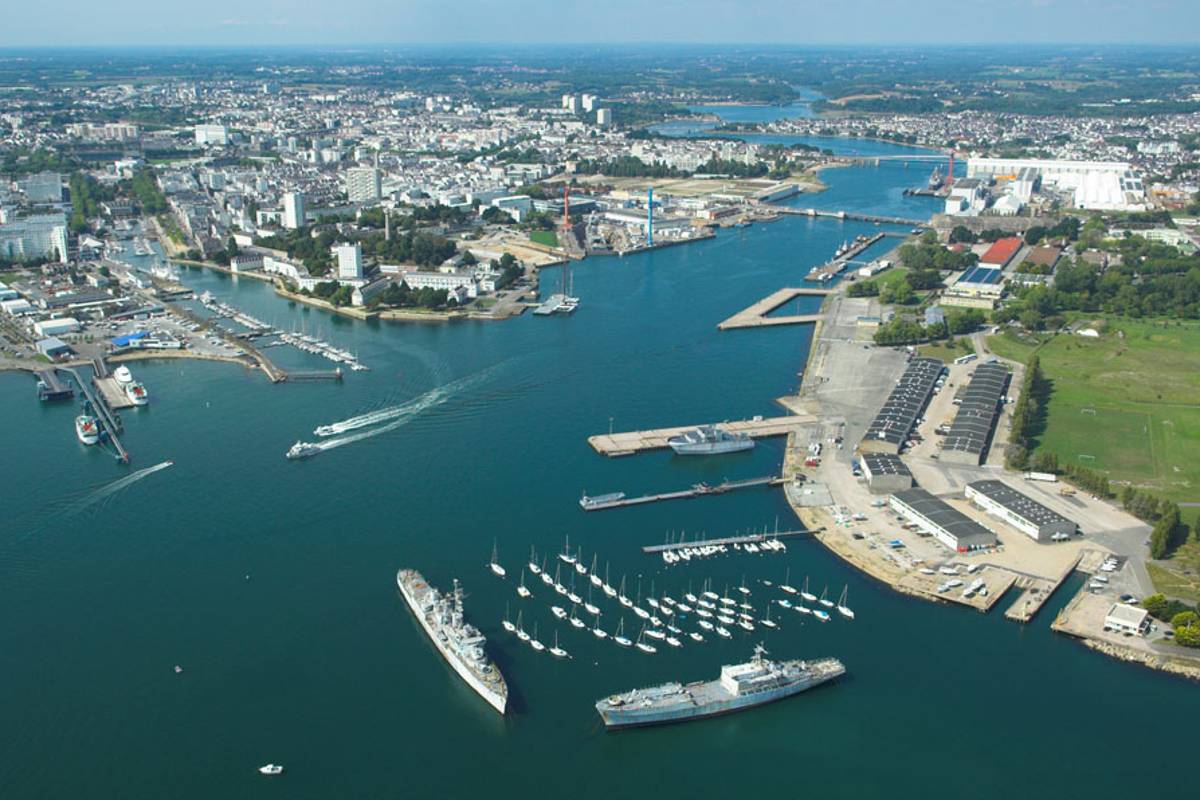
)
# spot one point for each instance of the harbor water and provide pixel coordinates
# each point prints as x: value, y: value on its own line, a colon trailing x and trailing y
x: 271, y: 583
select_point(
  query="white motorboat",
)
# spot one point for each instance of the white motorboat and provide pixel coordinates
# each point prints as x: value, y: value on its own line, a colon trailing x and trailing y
x: 123, y: 375
x: 271, y: 769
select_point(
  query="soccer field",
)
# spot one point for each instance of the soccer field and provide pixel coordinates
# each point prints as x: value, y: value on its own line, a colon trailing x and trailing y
x: 1127, y: 403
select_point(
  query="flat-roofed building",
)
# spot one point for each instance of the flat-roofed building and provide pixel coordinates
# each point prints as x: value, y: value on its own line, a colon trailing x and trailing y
x: 885, y: 473
x: 894, y: 423
x: 1098, y: 185
x: 1128, y: 619
x: 38, y: 236
x: 1019, y: 510
x: 948, y: 525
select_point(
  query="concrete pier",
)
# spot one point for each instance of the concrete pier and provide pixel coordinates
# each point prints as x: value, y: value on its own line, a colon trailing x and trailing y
x: 755, y: 316
x: 698, y: 490
x: 628, y: 443
x: 113, y: 394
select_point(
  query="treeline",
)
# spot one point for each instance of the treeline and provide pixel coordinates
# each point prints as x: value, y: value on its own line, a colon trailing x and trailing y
x: 408, y: 247
x: 1169, y: 529
x: 634, y: 167
x: 1183, y: 618
x: 1028, y: 416
x: 902, y: 331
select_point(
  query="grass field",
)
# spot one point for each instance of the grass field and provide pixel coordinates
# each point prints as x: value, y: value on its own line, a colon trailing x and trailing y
x: 547, y: 238
x: 943, y: 351
x: 1127, y: 403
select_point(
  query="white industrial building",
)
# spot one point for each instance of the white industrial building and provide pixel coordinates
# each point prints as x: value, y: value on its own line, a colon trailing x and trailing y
x: 349, y: 261
x: 1019, y: 510
x: 1095, y: 185
x: 55, y: 327
x: 945, y: 523
x: 294, y: 214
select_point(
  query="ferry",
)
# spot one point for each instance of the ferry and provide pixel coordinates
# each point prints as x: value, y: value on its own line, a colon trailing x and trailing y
x: 137, y: 393
x: 123, y: 375
x: 87, y: 429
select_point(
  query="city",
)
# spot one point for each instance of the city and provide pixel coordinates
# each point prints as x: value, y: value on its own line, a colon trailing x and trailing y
x: 917, y: 337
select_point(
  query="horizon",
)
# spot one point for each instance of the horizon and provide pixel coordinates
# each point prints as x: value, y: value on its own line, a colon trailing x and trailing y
x: 422, y: 23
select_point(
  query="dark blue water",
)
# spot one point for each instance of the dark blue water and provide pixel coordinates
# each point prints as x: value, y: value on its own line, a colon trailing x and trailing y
x: 272, y: 582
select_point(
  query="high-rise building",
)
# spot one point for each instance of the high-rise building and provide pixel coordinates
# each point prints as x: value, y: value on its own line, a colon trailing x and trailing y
x: 573, y: 104
x: 294, y: 215
x: 212, y: 134
x: 39, y: 236
x: 589, y: 102
x: 363, y: 184
x: 567, y: 100
x: 349, y: 261
x: 604, y: 117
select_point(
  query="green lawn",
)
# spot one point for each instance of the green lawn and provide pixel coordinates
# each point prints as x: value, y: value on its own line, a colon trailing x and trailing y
x: 547, y: 238
x: 1127, y: 403
x: 943, y: 351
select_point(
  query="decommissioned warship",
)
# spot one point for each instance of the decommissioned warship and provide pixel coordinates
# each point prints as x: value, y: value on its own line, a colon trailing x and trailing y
x: 459, y: 642
x: 740, y: 686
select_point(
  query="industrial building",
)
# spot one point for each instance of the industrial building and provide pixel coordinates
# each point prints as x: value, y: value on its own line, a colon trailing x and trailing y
x: 56, y: 326
x: 948, y: 525
x: 885, y: 473
x: 217, y: 135
x: 1128, y: 619
x: 1002, y: 252
x: 1096, y: 185
x: 1019, y: 510
x: 894, y: 423
x: 978, y: 409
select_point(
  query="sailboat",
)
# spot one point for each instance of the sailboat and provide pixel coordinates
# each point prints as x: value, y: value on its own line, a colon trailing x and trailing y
x: 703, y: 623
x: 743, y: 588
x: 803, y: 609
x: 821, y: 615
x: 671, y: 640
x: 494, y: 565
x: 767, y: 623
x: 534, y: 643
x: 593, y: 577
x: 823, y: 600
x: 590, y: 607
x: 558, y: 587
x: 597, y: 631
x: 786, y: 585
x: 575, y: 621
x: 621, y: 598
x: 842, y: 608
x: 607, y: 587
x: 696, y: 637
x: 641, y: 643
x: 655, y: 633
x: 521, y: 590
x: 558, y: 611
x: 806, y: 594
x: 533, y: 565
x: 579, y: 567
x: 724, y: 633
x: 545, y: 576
x: 637, y: 606
x: 571, y: 595
x: 565, y: 556
x: 557, y: 651
x: 506, y: 622
x: 619, y: 636
x: 521, y: 634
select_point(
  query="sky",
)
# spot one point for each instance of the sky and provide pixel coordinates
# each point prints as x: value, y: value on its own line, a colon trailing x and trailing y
x: 82, y: 23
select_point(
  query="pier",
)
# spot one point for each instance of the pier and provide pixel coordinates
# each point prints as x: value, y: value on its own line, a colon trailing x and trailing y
x: 628, y: 443
x: 843, y: 259
x: 314, y: 375
x: 756, y: 315
x: 110, y: 421
x: 618, y: 500
x: 51, y: 388
x: 749, y: 538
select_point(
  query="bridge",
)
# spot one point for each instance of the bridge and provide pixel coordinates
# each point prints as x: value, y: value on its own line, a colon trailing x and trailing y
x: 851, y: 215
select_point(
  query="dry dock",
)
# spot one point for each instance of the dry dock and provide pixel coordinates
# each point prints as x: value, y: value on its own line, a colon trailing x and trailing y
x: 756, y: 315
x: 628, y: 443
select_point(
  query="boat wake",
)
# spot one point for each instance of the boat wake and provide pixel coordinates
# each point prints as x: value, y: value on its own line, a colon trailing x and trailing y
x: 109, y: 489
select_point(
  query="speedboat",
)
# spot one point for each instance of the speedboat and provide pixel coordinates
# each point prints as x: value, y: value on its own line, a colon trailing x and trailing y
x: 137, y: 393
x: 302, y: 450
x: 86, y: 429
x: 271, y: 769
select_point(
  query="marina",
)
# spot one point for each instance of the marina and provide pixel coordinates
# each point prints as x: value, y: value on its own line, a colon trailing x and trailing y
x: 627, y: 443
x: 723, y: 541
x: 619, y: 500
x: 842, y: 258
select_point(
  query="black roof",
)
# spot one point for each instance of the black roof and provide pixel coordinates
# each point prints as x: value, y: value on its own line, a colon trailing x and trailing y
x: 966, y: 531
x: 885, y: 464
x: 1019, y: 504
x: 978, y: 410
x: 895, y: 420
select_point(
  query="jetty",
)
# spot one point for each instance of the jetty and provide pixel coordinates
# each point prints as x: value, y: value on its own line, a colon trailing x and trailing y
x: 749, y: 538
x: 51, y: 388
x: 842, y: 260
x: 628, y: 443
x: 110, y: 421
x: 619, y: 500
x: 755, y: 316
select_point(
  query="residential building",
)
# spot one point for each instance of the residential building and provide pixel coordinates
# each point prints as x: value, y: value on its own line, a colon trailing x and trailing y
x: 294, y: 215
x: 604, y: 117
x: 39, y: 236
x: 364, y: 184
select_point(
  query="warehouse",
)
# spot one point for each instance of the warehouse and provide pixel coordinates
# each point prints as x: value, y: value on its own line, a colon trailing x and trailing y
x: 948, y: 525
x: 52, y: 347
x: 978, y: 409
x: 886, y: 473
x: 1019, y: 510
x: 55, y: 327
x: 895, y: 421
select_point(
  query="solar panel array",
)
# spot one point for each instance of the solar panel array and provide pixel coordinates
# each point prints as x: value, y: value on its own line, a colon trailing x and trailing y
x: 904, y: 405
x: 972, y: 426
x: 988, y: 275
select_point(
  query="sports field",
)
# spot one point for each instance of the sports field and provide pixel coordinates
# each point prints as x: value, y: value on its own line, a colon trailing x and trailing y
x: 1126, y: 403
x: 547, y: 238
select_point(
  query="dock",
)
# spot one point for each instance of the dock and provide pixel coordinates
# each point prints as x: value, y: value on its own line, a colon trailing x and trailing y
x: 110, y: 421
x: 755, y: 316
x: 619, y: 500
x: 749, y: 538
x: 556, y: 304
x: 314, y: 375
x: 839, y: 263
x: 51, y: 388
x: 628, y: 443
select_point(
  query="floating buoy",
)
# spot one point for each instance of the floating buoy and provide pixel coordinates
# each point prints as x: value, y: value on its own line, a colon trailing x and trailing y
x: 178, y: 669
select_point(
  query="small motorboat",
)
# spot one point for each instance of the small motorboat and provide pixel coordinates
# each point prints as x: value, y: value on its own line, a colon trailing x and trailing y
x: 271, y: 769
